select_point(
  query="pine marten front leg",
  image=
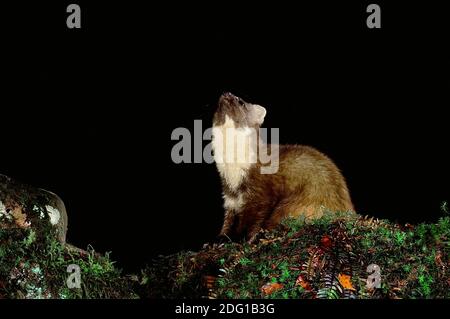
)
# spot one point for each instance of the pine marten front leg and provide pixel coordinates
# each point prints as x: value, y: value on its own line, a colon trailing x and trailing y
x: 238, y: 225
x: 250, y: 222
x: 254, y: 230
x: 228, y: 223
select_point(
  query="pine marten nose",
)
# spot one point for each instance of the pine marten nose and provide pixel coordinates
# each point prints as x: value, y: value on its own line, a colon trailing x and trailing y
x: 228, y: 95
x: 230, y: 99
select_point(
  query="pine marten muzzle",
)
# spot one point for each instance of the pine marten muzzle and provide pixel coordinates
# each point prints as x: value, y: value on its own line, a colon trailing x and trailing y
x: 305, y: 182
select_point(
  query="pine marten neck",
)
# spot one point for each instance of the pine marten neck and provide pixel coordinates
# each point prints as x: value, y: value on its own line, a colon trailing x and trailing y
x: 236, y: 138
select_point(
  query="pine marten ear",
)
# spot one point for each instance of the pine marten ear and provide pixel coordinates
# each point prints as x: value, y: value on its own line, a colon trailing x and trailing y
x: 257, y: 114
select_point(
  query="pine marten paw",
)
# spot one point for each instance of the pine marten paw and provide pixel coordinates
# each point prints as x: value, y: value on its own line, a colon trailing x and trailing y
x: 218, y: 242
x: 223, y: 239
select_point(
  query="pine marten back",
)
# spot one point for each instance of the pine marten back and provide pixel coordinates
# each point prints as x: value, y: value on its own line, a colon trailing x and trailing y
x: 306, y: 182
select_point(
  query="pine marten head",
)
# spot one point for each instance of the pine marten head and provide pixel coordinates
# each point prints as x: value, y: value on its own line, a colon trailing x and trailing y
x: 234, y: 111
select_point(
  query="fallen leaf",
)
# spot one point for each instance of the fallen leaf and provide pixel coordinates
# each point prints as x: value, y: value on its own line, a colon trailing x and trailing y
x: 326, y: 242
x: 209, y: 281
x: 301, y: 281
x: 270, y: 288
x: 345, y: 281
x: 438, y: 259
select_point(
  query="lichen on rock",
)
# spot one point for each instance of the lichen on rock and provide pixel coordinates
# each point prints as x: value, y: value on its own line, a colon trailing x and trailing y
x: 23, y: 206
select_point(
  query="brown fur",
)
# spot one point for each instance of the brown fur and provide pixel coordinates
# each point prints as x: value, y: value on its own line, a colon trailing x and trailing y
x: 307, y: 183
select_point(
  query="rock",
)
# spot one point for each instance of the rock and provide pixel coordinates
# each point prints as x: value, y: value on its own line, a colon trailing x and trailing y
x: 23, y: 206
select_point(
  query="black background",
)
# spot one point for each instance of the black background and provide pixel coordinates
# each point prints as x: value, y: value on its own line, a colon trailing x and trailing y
x: 89, y: 113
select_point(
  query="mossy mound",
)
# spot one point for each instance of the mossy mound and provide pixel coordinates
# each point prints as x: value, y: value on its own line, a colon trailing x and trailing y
x: 35, y: 266
x: 337, y: 256
x: 34, y: 260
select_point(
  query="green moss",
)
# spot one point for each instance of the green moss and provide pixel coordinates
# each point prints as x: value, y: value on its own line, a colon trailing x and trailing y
x: 36, y: 267
x: 400, y: 237
x: 245, y: 261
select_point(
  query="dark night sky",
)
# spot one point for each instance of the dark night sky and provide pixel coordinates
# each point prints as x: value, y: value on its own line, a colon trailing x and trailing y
x: 88, y: 113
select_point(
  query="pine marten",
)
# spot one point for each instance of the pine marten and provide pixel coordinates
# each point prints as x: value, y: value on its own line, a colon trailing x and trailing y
x: 306, y: 182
